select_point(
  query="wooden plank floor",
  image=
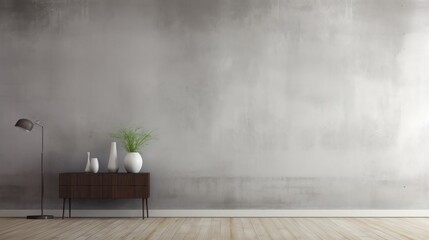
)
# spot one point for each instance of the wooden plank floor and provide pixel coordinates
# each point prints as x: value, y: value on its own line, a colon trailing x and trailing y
x: 216, y: 228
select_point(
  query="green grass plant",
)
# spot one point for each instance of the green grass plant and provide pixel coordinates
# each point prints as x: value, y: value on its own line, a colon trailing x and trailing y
x: 133, y: 139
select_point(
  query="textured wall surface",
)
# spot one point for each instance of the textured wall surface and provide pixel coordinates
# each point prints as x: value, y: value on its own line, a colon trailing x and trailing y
x: 295, y: 104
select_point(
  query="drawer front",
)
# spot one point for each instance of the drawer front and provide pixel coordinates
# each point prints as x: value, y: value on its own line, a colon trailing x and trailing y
x: 120, y: 179
x: 142, y: 179
x: 86, y: 179
x: 85, y: 192
x: 65, y: 179
x: 80, y: 179
x: 125, y: 192
x: 104, y: 185
x: 64, y: 192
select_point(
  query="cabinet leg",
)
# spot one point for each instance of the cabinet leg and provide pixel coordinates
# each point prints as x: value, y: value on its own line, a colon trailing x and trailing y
x: 142, y: 208
x: 64, y: 206
x: 69, y: 207
x: 147, y: 209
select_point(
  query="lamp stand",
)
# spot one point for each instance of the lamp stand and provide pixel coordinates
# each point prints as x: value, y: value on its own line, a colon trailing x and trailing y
x: 41, y: 216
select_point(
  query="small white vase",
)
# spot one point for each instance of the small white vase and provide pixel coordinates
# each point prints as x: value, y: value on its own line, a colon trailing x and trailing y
x: 133, y: 162
x: 113, y: 165
x: 87, y: 168
x: 94, y: 165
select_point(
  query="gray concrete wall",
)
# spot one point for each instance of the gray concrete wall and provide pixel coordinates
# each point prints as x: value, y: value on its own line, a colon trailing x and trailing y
x: 257, y: 104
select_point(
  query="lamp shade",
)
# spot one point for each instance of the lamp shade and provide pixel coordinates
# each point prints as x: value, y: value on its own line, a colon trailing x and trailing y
x: 25, y: 124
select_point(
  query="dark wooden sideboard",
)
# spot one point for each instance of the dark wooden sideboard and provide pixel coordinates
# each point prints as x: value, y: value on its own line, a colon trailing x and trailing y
x: 104, y: 186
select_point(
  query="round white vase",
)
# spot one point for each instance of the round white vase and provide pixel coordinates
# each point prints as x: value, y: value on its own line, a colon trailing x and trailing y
x: 133, y: 162
x: 94, y: 165
x: 113, y: 165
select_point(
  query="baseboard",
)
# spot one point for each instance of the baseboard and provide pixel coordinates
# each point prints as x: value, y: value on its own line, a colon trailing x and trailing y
x: 223, y: 213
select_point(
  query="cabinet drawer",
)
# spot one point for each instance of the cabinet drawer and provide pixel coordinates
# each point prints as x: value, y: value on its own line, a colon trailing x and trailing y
x: 86, y: 179
x: 64, y: 192
x: 120, y: 179
x: 80, y: 179
x: 65, y: 179
x: 104, y: 185
x: 125, y: 192
x: 85, y: 192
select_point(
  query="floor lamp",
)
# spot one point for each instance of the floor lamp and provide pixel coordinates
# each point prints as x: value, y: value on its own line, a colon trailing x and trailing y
x: 27, y: 125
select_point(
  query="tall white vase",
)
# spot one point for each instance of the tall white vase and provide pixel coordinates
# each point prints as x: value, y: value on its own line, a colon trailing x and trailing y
x: 133, y: 162
x: 88, y: 163
x: 94, y: 165
x: 113, y: 165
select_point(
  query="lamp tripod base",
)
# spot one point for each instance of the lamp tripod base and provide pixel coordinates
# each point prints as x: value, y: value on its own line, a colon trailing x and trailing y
x: 40, y: 217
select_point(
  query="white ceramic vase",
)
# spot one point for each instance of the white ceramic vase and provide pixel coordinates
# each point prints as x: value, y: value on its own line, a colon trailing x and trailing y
x: 94, y: 165
x: 113, y: 165
x: 88, y: 163
x: 133, y: 162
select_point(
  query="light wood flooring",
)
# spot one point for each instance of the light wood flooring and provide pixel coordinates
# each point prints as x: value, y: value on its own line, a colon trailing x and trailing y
x: 216, y: 228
